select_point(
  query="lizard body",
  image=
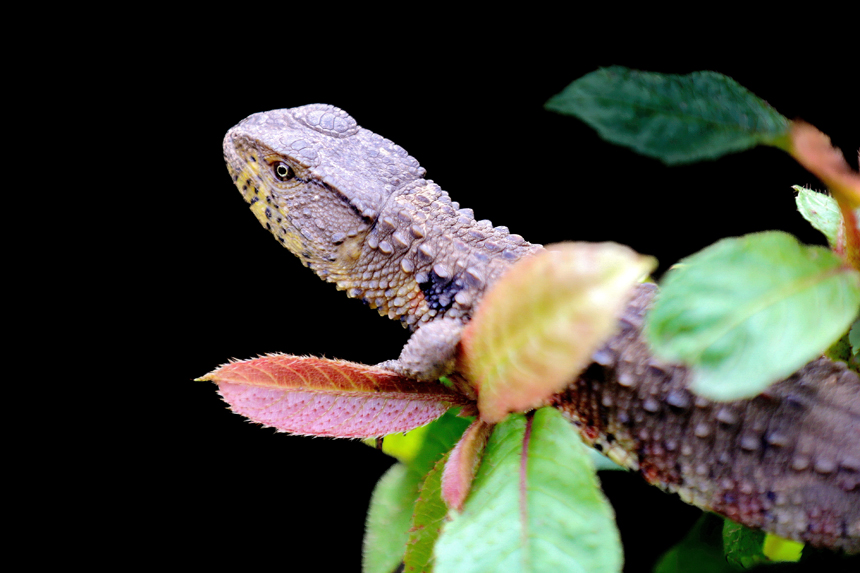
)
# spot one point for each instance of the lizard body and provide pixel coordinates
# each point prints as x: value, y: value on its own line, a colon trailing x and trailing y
x: 355, y: 208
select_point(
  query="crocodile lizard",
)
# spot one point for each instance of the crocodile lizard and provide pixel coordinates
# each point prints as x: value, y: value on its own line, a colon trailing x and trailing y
x: 357, y: 210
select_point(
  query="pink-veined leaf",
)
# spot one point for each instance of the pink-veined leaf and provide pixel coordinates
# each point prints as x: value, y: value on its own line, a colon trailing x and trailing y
x: 463, y: 463
x: 321, y: 397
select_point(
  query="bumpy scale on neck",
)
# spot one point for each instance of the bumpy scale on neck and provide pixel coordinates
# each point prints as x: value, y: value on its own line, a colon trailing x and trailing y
x: 426, y: 258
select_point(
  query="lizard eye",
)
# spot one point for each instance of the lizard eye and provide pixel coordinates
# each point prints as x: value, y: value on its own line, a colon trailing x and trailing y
x: 283, y: 171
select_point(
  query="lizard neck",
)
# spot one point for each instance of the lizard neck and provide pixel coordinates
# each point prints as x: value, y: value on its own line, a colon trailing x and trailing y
x: 425, y: 258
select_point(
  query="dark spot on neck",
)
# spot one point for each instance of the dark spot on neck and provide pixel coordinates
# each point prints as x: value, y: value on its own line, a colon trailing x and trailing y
x: 439, y: 292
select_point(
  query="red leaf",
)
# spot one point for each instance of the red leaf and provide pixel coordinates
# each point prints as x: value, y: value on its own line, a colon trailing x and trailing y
x: 463, y: 463
x: 321, y: 397
x: 813, y: 150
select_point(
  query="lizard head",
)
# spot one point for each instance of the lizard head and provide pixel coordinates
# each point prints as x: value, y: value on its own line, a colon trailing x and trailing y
x: 316, y: 181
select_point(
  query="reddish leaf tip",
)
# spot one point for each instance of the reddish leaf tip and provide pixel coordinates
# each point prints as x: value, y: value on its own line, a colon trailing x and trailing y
x: 462, y: 464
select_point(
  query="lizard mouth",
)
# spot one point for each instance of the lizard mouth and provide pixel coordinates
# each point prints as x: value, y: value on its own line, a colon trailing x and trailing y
x: 238, y: 166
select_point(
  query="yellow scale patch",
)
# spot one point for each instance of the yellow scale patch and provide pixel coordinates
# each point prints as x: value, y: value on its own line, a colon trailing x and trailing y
x: 247, y: 177
x: 341, y: 270
x: 259, y: 211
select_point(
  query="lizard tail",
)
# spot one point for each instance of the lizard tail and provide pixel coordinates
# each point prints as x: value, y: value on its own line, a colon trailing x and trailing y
x: 786, y: 461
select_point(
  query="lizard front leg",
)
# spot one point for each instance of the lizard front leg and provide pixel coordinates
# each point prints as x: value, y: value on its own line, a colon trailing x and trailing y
x: 431, y: 351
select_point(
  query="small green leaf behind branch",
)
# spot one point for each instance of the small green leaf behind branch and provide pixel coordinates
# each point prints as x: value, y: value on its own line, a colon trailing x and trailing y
x: 674, y: 118
x: 748, y: 311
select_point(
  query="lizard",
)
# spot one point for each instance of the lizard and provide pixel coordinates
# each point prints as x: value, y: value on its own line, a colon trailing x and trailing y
x: 357, y: 209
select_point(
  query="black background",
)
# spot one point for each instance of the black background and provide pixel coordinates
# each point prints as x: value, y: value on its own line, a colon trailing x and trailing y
x: 201, y: 282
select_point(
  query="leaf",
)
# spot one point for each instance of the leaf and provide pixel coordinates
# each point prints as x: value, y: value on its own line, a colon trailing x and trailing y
x: 391, y: 508
x: 427, y: 520
x: 746, y: 312
x: 674, y: 118
x: 535, y: 506
x: 854, y: 337
x: 813, y: 150
x: 404, y: 447
x: 601, y: 462
x: 840, y: 350
x: 778, y: 548
x: 463, y: 463
x: 541, y: 322
x: 701, y: 550
x: 742, y: 545
x: 821, y: 211
x: 388, y: 519
x: 442, y: 435
x: 320, y: 397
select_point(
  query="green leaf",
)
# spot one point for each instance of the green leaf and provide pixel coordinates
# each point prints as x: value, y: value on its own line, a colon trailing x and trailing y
x: 388, y: 519
x: 539, y: 325
x: 778, y: 548
x: 427, y: 520
x: 821, y: 211
x: 391, y: 508
x: 601, y: 462
x: 404, y: 447
x: 840, y: 350
x: 700, y: 551
x: 742, y: 545
x: 748, y: 311
x: 675, y: 118
x: 542, y: 513
x: 441, y: 436
x: 854, y: 337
